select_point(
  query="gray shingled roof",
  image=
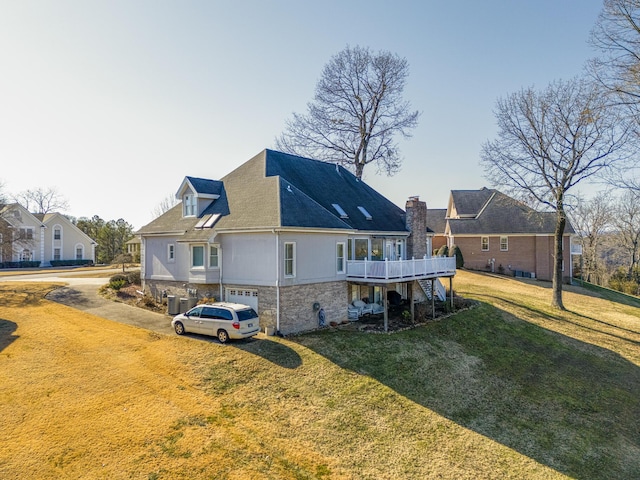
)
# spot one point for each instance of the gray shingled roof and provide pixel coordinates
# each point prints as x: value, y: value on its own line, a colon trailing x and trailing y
x: 275, y: 189
x: 437, y: 220
x: 501, y: 214
x: 470, y: 202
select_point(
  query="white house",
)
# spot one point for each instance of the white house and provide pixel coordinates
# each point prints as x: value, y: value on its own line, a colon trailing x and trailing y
x: 295, y: 238
x: 41, y: 239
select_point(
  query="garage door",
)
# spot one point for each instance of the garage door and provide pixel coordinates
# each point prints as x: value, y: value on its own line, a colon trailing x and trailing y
x: 246, y: 297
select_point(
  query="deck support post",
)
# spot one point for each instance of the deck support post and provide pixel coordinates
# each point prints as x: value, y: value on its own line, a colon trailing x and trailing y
x: 411, y: 302
x: 433, y: 298
x: 386, y: 308
x: 451, y: 291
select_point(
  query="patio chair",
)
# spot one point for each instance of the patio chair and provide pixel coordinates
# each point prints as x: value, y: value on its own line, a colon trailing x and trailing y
x: 363, y: 308
x: 377, y: 308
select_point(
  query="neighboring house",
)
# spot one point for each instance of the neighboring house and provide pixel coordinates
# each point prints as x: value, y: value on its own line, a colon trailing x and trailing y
x: 297, y: 239
x: 500, y: 234
x: 42, y: 239
x: 133, y: 248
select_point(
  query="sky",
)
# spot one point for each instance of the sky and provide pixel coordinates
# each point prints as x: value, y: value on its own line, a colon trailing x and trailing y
x: 112, y: 103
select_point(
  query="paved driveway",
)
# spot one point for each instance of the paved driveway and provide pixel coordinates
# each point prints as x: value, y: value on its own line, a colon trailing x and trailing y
x: 82, y: 293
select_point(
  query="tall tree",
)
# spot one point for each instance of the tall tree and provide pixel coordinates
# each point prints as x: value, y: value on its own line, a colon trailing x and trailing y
x: 111, y: 236
x: 593, y: 219
x: 41, y: 200
x: 357, y: 110
x: 627, y: 223
x: 548, y: 142
x: 616, y: 35
x: 166, y: 204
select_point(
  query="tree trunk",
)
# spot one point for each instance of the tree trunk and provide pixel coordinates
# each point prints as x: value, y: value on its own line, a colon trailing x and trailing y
x: 561, y: 221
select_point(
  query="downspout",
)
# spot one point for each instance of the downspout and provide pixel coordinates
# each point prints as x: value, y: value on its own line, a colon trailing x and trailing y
x: 277, y: 234
x: 220, y: 266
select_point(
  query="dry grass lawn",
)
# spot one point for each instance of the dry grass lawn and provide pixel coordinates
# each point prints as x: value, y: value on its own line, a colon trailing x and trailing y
x: 86, y: 398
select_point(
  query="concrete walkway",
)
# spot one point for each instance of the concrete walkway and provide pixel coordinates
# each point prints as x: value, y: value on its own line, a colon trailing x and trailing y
x: 82, y: 293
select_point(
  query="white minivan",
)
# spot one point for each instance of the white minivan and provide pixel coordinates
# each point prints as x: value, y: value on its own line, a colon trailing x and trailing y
x: 223, y: 320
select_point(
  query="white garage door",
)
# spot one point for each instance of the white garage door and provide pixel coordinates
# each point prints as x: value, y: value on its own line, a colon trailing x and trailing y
x: 246, y: 297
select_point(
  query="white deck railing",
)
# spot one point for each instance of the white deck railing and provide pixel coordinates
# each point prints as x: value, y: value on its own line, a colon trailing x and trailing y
x: 427, y: 267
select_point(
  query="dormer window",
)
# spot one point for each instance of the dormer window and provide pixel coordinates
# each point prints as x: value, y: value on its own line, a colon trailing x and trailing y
x: 189, y: 205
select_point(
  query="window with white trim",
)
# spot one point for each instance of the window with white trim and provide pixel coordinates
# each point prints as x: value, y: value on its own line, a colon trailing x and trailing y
x: 26, y: 233
x: 340, y: 265
x: 289, y: 259
x: 213, y: 256
x: 504, y: 244
x: 79, y: 252
x: 189, y: 205
x: 171, y: 253
x: 197, y: 256
x: 26, y: 255
x: 57, y: 233
x: 56, y: 254
x: 484, y: 244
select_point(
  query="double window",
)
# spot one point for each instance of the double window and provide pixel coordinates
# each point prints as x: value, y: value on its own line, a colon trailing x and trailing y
x: 198, y: 258
x: 26, y: 233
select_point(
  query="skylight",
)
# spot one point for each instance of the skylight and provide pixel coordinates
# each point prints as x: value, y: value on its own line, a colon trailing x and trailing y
x: 214, y: 218
x: 366, y: 214
x: 202, y: 221
x: 340, y: 211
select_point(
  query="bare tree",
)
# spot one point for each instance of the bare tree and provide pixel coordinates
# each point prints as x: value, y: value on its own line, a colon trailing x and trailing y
x: 356, y: 112
x: 165, y: 205
x: 616, y: 35
x: 627, y: 223
x: 42, y: 200
x: 593, y: 219
x: 550, y: 141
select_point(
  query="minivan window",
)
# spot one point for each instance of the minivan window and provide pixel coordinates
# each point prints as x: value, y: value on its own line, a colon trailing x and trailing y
x: 246, y: 314
x: 222, y: 314
x: 194, y: 312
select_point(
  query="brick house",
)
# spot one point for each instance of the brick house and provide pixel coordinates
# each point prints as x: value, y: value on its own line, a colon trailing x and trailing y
x: 295, y: 238
x: 500, y: 234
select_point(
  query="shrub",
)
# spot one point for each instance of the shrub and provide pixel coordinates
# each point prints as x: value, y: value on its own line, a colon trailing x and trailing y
x: 70, y: 263
x: 118, y: 281
x: 117, y: 284
x: 133, y: 278
x: 456, y: 252
x: 443, y: 251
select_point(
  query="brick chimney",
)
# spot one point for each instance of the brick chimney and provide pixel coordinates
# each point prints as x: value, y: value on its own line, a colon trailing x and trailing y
x: 416, y: 222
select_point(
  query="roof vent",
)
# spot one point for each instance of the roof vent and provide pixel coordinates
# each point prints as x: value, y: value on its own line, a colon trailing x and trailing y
x: 289, y: 189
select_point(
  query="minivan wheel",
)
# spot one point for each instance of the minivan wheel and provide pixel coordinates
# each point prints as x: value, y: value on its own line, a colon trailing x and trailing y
x: 179, y: 328
x: 223, y: 336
